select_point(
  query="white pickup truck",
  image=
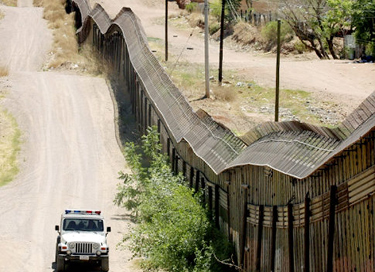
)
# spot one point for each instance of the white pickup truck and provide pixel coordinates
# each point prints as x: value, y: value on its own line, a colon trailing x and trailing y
x: 82, y: 237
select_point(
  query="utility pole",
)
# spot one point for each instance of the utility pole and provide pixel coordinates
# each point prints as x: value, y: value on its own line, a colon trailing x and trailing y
x: 166, y: 30
x: 206, y: 52
x: 277, y: 73
x: 221, y: 42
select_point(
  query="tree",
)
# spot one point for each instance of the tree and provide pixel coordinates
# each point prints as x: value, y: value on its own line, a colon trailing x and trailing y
x: 306, y: 20
x: 317, y: 22
x: 173, y: 230
x: 337, y: 21
x: 364, y: 24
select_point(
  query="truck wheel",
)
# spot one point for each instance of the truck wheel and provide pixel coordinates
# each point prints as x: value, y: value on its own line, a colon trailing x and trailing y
x: 105, y: 265
x: 57, y: 248
x: 60, y: 264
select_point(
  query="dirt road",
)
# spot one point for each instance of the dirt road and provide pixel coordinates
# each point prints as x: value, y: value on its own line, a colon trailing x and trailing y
x: 70, y: 157
x: 342, y: 81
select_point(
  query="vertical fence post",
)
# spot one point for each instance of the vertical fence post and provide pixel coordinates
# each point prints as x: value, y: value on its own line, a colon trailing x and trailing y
x: 159, y: 132
x: 260, y: 234
x: 273, y: 237
x: 217, y: 205
x: 197, y: 179
x: 174, y: 160
x: 203, y: 186
x: 307, y: 233
x: 227, y: 183
x: 191, y: 177
x: 149, y: 115
x: 184, y: 168
x: 210, y: 202
x: 243, y: 235
x: 290, y: 237
x: 331, y: 230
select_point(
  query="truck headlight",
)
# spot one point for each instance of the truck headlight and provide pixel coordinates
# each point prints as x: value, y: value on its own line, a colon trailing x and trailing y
x: 72, y: 245
x: 98, y: 253
x: 95, y: 246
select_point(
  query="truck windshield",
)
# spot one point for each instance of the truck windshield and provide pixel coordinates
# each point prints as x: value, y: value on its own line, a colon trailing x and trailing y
x: 82, y: 224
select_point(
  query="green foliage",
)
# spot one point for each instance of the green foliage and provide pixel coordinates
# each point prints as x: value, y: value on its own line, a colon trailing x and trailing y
x: 269, y: 33
x: 213, y: 28
x: 231, y: 9
x: 364, y: 23
x: 215, y: 9
x: 192, y: 6
x: 173, y: 230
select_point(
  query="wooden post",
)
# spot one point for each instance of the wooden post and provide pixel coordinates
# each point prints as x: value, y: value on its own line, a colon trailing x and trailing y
x: 331, y: 230
x: 290, y: 237
x: 260, y: 234
x: 273, y: 237
x: 166, y: 30
x: 206, y: 51
x: 307, y: 233
x: 221, y: 42
x: 277, y: 73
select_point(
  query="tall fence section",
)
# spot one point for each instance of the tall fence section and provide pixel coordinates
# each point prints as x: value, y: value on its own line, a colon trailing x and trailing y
x: 291, y: 196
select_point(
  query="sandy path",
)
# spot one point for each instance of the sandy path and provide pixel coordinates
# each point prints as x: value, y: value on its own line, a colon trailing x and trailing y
x: 70, y: 157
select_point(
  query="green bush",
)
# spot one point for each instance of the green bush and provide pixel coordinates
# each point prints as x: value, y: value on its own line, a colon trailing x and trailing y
x: 269, y: 34
x: 192, y: 6
x: 213, y: 28
x: 173, y: 232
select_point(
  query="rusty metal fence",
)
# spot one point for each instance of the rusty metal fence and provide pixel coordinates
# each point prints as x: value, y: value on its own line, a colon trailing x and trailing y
x: 291, y: 196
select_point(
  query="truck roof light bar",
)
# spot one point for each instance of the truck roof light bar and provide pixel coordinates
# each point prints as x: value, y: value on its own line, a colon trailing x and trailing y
x: 82, y: 212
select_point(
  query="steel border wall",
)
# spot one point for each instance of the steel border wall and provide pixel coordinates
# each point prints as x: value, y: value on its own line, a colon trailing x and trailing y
x: 322, y: 220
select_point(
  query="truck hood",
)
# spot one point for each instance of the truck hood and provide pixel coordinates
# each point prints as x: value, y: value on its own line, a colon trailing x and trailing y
x: 81, y: 236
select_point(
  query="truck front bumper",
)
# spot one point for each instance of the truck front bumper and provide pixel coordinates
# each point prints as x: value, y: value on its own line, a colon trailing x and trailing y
x: 83, y: 258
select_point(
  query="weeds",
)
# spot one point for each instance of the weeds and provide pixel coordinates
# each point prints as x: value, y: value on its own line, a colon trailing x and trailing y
x: 65, y: 46
x: 10, y: 146
x: 4, y: 71
x: 10, y: 3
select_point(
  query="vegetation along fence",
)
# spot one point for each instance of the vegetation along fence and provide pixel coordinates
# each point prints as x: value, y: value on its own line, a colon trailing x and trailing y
x: 291, y: 196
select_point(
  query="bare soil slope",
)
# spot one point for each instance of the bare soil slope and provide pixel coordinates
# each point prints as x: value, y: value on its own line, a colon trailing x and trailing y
x: 70, y: 157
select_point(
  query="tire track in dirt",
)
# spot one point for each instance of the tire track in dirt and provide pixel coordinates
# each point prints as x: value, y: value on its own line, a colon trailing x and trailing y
x: 70, y: 157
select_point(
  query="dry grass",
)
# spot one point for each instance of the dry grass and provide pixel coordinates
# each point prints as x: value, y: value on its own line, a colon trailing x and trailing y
x: 11, y: 3
x: 66, y: 53
x: 4, y: 71
x: 9, y: 146
x: 65, y: 47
